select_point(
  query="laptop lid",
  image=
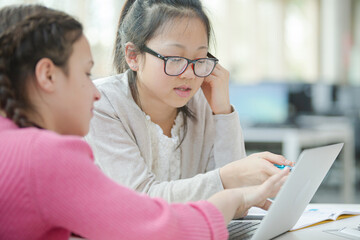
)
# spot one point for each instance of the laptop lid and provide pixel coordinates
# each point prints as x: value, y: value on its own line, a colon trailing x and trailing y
x: 296, y: 193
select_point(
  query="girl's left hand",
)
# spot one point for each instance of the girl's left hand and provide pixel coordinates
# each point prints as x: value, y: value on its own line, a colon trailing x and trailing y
x: 216, y: 90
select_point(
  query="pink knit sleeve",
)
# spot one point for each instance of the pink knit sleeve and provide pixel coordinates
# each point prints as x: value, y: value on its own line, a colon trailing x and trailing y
x: 73, y: 193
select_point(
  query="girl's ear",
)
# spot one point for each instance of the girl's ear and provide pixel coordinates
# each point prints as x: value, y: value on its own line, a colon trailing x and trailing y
x: 131, y: 56
x: 44, y: 74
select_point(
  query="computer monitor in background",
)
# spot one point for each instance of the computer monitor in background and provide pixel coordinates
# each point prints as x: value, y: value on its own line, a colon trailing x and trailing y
x: 261, y: 104
x: 300, y: 99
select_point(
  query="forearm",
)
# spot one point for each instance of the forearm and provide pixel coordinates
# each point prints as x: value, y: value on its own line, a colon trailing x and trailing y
x: 199, y: 187
x: 229, y: 141
x: 229, y: 203
x: 118, y: 210
x: 133, y: 173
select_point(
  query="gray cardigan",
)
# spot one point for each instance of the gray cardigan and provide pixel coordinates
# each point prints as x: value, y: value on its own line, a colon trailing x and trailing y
x: 122, y: 148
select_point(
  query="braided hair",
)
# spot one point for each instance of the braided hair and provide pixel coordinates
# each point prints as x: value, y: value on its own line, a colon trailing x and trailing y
x: 30, y: 33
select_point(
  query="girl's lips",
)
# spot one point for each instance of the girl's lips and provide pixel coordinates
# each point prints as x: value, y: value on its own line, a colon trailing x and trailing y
x: 183, y: 91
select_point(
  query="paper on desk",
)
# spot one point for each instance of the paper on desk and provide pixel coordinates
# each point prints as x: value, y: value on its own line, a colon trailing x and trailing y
x: 349, y: 233
x: 314, y: 216
x: 255, y: 211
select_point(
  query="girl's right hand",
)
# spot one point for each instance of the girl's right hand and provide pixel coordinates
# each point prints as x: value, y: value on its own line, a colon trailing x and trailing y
x: 252, y: 170
x: 235, y: 203
x: 216, y: 90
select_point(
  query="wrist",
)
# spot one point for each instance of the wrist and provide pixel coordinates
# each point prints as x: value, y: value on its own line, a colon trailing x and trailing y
x: 238, y: 201
x: 225, y: 110
x: 229, y: 203
x: 227, y: 177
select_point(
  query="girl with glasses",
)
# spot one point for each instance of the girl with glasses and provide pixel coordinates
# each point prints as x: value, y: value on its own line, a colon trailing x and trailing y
x: 49, y: 185
x: 164, y: 125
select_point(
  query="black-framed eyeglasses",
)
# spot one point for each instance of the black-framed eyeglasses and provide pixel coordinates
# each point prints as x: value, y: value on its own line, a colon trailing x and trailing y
x: 175, y: 66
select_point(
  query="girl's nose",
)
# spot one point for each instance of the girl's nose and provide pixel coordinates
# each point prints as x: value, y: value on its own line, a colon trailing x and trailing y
x: 189, y: 72
x: 97, y: 94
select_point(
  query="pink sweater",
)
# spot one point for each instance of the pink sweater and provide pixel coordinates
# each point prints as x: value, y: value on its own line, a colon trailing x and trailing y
x: 49, y: 186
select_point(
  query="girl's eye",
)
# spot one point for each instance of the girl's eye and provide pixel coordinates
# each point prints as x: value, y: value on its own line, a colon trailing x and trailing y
x: 88, y: 74
x: 175, y: 60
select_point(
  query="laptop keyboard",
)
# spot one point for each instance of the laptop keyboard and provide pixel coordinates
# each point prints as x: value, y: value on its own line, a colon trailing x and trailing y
x: 240, y: 230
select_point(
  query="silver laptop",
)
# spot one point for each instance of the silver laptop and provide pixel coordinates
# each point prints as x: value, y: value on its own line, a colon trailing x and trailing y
x: 291, y: 201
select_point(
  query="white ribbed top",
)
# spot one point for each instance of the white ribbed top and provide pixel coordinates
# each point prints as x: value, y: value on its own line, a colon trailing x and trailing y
x: 165, y: 150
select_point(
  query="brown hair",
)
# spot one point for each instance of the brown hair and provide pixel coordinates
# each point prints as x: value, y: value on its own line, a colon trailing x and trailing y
x: 29, y: 33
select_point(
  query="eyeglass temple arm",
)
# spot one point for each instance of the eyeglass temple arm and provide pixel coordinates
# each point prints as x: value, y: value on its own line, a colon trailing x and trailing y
x: 152, y: 52
x: 211, y: 56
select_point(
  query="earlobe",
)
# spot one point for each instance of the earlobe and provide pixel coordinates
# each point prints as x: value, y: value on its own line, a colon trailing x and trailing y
x: 44, y: 74
x: 131, y: 56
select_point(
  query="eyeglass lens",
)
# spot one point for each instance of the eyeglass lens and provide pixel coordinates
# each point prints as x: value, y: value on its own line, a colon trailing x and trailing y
x: 176, y: 66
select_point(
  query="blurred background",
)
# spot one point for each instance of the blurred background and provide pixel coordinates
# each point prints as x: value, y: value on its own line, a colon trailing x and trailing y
x: 294, y: 70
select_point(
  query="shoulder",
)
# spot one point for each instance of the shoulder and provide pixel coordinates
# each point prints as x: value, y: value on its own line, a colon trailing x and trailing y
x: 115, y: 94
x: 51, y: 144
x: 113, y: 84
x: 39, y: 139
x: 41, y: 150
x: 53, y: 156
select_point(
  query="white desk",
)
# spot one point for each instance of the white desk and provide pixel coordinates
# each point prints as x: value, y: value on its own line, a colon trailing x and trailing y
x: 293, y: 140
x: 317, y: 232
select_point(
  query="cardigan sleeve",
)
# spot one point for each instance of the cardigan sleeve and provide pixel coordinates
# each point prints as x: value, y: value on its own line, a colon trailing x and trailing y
x: 119, y: 156
x: 229, y: 141
x: 224, y: 133
x: 73, y: 193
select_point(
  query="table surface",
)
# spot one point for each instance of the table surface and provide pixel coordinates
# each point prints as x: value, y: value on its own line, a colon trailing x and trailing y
x: 317, y: 232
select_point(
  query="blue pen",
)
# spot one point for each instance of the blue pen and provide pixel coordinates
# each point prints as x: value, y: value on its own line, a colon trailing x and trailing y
x: 282, y: 166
